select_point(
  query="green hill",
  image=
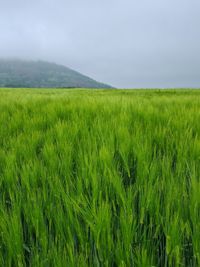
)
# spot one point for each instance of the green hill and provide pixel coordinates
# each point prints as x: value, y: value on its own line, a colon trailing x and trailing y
x: 18, y: 73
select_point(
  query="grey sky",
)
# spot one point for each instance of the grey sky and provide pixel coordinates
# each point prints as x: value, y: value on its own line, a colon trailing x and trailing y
x: 126, y: 43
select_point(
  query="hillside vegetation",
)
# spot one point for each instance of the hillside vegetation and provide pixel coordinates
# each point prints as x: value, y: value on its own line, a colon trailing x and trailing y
x: 18, y: 73
x: 99, y: 178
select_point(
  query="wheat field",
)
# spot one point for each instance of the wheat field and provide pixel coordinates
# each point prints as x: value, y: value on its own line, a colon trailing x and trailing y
x: 99, y: 178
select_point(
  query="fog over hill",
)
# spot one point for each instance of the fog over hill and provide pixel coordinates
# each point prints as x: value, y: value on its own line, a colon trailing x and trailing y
x: 20, y: 73
x: 128, y: 44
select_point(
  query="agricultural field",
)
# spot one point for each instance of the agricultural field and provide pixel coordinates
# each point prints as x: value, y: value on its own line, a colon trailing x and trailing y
x: 99, y: 178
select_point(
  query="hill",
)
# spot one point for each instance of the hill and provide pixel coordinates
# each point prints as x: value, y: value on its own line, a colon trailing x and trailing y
x: 18, y: 73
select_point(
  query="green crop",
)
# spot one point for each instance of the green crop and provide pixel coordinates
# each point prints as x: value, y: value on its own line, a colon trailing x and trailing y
x: 99, y: 178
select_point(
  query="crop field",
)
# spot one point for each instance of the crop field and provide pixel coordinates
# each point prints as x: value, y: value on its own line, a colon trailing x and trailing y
x: 99, y: 178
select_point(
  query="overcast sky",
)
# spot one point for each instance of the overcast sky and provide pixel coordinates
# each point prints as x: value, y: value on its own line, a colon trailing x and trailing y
x: 126, y: 43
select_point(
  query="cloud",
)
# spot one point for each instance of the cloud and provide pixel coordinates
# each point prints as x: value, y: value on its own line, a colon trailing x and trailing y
x: 126, y: 43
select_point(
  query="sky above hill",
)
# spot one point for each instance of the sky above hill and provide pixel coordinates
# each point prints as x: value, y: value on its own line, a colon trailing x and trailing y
x: 125, y: 43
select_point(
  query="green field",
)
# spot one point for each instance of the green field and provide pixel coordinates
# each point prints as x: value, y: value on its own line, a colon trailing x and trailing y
x: 99, y: 178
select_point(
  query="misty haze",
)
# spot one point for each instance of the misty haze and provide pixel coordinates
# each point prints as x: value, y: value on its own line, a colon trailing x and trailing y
x: 128, y: 44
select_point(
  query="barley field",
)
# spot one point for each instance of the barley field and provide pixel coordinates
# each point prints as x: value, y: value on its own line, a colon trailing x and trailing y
x: 99, y: 178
